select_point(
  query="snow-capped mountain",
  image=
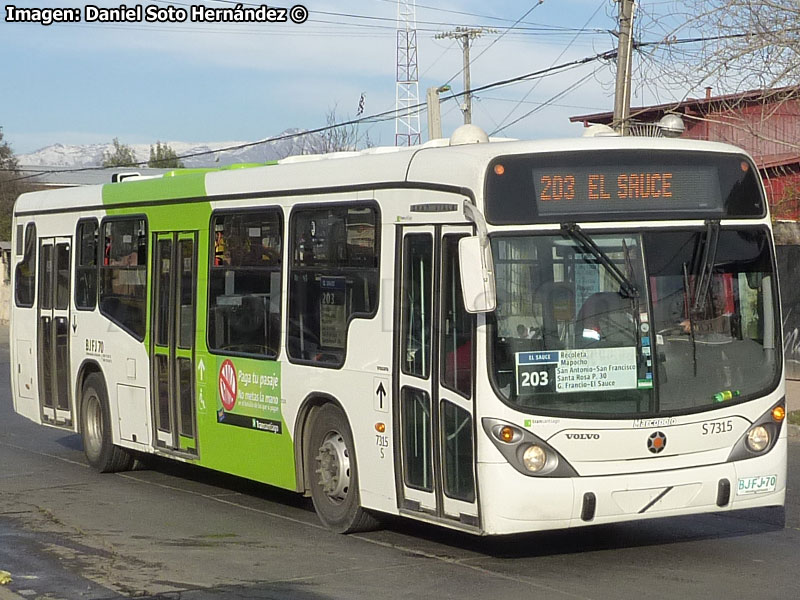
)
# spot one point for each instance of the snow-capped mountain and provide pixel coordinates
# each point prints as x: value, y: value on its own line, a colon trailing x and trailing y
x: 91, y: 155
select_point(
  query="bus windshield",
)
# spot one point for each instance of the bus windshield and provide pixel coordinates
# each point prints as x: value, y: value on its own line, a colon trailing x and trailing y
x: 567, y: 339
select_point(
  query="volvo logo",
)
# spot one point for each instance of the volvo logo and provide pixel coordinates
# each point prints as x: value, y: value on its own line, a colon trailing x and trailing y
x: 583, y: 436
x: 656, y: 442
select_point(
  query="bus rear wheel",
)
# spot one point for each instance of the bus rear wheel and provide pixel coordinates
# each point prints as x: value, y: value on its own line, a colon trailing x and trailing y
x: 332, y: 469
x: 95, y: 420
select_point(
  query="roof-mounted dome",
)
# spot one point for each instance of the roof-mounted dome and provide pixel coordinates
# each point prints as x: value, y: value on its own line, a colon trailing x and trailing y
x: 599, y: 130
x: 468, y: 134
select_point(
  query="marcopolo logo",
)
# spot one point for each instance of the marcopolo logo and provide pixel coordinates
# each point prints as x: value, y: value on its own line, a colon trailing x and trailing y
x: 583, y: 436
x: 656, y: 442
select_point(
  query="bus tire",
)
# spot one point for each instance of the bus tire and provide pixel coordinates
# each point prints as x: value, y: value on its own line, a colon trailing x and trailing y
x: 95, y: 419
x: 331, y: 465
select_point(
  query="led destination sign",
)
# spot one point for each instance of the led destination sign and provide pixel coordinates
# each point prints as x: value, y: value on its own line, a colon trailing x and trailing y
x: 624, y: 189
x: 608, y: 185
x: 633, y: 185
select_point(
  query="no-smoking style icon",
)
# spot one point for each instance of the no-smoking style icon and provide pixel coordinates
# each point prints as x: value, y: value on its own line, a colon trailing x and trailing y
x: 228, y: 387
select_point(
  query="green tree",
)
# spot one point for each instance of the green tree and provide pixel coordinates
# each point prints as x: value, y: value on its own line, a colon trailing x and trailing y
x: 163, y: 157
x: 122, y: 156
x: 10, y: 187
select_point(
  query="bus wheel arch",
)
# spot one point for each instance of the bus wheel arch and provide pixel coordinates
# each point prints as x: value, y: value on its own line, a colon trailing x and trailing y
x: 94, y: 419
x: 330, y: 467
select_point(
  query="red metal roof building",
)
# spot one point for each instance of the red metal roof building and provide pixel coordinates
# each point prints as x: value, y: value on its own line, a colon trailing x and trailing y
x: 764, y: 123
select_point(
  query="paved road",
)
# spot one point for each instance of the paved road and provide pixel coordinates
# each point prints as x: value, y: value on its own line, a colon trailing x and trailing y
x: 178, y: 532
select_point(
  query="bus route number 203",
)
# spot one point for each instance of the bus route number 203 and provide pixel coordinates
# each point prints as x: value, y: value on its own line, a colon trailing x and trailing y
x: 533, y: 379
x: 557, y: 187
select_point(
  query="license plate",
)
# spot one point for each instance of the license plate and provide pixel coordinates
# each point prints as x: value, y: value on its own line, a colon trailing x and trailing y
x: 754, y: 485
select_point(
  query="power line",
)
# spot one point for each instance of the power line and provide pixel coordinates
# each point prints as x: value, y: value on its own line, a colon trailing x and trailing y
x: 390, y: 114
x: 538, y: 29
x: 535, y: 85
x: 575, y: 106
x: 361, y: 16
x: 335, y: 29
x: 560, y: 94
x: 497, y: 39
x: 377, y: 117
x: 456, y: 12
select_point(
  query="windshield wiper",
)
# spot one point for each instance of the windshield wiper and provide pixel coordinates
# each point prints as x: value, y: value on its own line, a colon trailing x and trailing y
x: 691, y: 318
x: 627, y: 289
x: 704, y: 270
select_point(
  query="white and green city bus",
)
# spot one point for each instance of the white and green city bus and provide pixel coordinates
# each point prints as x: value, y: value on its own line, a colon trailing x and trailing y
x: 495, y: 337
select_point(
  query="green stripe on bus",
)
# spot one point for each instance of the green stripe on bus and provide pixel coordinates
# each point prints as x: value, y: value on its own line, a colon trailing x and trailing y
x: 162, y: 188
x: 233, y: 167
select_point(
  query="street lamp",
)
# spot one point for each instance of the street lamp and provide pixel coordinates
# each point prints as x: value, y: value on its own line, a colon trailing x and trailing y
x: 434, y: 111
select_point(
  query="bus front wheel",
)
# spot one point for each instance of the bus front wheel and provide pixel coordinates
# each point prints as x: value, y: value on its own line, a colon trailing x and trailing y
x: 98, y: 445
x: 331, y: 464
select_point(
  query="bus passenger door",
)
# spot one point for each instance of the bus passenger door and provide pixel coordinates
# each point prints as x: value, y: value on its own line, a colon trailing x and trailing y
x: 456, y: 384
x: 53, y: 331
x: 434, y: 443
x: 172, y: 340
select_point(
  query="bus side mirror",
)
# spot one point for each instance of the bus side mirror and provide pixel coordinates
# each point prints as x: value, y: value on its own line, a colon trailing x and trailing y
x: 477, y: 275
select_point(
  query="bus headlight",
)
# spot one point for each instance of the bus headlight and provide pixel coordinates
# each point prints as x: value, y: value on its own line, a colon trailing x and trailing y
x: 762, y: 435
x: 525, y: 451
x: 757, y: 438
x: 534, y: 458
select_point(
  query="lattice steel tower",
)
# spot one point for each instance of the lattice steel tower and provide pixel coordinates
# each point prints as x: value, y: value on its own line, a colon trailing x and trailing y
x: 406, y: 130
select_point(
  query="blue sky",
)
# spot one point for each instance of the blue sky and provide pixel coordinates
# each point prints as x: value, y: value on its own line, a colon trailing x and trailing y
x: 201, y: 82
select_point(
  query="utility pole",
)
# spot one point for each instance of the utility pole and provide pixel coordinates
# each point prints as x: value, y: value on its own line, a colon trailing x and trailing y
x: 464, y: 35
x: 622, y: 92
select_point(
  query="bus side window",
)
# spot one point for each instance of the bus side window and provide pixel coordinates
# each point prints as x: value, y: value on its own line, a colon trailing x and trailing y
x: 123, y: 274
x: 333, y: 278
x: 244, y: 281
x: 417, y: 320
x: 86, y: 265
x: 25, y: 276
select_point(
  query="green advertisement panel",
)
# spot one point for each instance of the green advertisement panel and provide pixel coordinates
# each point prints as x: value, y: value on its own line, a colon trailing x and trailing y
x: 249, y: 394
x: 240, y: 419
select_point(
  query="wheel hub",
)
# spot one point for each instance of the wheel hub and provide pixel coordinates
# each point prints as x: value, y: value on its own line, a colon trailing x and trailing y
x: 94, y: 426
x: 333, y: 467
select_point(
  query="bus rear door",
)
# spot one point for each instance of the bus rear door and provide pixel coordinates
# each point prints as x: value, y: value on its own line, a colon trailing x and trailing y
x: 53, y: 319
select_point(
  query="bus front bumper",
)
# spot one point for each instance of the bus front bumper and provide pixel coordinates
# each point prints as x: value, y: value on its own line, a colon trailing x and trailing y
x: 514, y: 503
